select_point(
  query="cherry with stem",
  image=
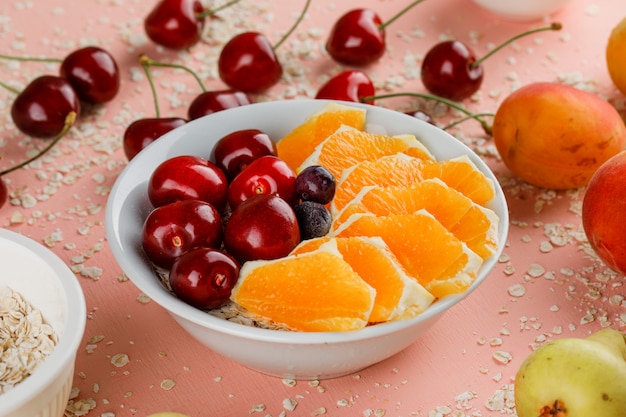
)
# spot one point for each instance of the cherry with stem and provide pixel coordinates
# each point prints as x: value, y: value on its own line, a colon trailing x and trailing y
x: 206, y: 102
x: 143, y: 132
x: 476, y: 116
x: 248, y: 62
x: 91, y: 71
x: 70, y: 119
x: 358, y: 37
x: 450, y: 69
x: 178, y: 24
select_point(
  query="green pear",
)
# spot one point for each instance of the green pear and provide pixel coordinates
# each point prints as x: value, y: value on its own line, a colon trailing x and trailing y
x: 574, y: 377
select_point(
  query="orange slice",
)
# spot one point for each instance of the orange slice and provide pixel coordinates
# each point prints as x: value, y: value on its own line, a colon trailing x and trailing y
x: 473, y: 224
x: 439, y: 261
x: 462, y: 174
x: 298, y: 144
x: 400, y: 169
x: 315, y: 291
x: 398, y: 296
x: 348, y: 146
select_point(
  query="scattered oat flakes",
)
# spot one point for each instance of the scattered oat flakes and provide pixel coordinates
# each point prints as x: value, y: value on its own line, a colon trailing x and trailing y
x: 167, y: 384
x: 517, y: 290
x: 290, y: 404
x: 120, y: 360
x: 502, y: 357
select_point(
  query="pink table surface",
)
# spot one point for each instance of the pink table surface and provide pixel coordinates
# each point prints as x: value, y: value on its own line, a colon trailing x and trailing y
x: 548, y: 284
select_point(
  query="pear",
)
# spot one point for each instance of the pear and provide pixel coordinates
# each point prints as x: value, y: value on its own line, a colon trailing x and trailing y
x: 574, y: 377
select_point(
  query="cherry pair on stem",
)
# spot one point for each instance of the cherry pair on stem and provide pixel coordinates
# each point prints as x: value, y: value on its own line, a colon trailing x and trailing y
x: 89, y: 75
x: 142, y: 132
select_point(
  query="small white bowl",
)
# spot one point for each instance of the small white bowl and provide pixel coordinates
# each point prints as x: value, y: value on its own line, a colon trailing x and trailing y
x: 522, y: 10
x: 47, y: 283
x: 284, y: 354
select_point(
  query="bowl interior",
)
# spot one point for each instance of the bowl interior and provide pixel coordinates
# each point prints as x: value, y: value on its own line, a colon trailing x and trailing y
x: 128, y: 204
x: 47, y: 283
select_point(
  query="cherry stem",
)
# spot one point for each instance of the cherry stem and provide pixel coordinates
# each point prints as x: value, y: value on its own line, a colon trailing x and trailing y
x: 457, y: 122
x: 9, y: 88
x: 145, y: 60
x: 70, y: 119
x: 552, y: 26
x: 211, y: 12
x: 295, y: 25
x: 29, y: 59
x: 398, y: 15
x: 486, y: 127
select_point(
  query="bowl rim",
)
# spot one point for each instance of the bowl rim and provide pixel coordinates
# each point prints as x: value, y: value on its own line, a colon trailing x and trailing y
x: 66, y: 349
x: 181, y: 310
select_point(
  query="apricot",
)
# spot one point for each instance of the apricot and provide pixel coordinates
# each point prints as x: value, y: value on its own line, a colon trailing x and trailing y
x: 615, y: 55
x: 556, y: 136
x: 604, y: 212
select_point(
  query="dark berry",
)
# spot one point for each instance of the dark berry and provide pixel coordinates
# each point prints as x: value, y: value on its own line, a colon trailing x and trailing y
x: 314, y: 219
x: 315, y: 183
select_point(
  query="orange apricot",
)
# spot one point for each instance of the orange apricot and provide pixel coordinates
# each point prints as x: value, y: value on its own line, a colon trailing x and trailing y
x: 555, y: 136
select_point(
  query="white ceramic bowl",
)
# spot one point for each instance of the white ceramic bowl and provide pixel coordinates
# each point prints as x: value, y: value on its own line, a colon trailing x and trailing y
x: 284, y: 354
x: 47, y: 283
x: 522, y: 10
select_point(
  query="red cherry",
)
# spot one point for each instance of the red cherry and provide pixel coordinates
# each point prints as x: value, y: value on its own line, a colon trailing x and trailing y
x: 450, y: 68
x: 265, y: 175
x: 175, y: 24
x: 4, y: 192
x: 356, y: 38
x: 213, y: 101
x: 449, y: 71
x: 235, y: 151
x: 93, y: 73
x: 262, y: 227
x: 350, y: 85
x: 204, y: 277
x: 173, y: 229
x: 248, y: 63
x: 41, y: 109
x: 187, y: 177
x: 143, y: 132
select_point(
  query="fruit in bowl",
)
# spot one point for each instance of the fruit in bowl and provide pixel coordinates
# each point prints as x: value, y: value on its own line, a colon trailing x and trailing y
x: 39, y: 291
x: 272, y: 346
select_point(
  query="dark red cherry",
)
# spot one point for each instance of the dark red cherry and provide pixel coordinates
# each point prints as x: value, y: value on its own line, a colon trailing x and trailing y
x: 235, y: 151
x: 349, y: 85
x: 187, y: 177
x: 4, y: 192
x: 214, y: 101
x: 173, y: 229
x: 265, y: 175
x: 204, y: 277
x: 262, y: 227
x: 143, y: 132
x: 41, y: 109
x: 248, y: 63
x: 448, y: 71
x: 175, y: 24
x: 450, y: 68
x: 93, y: 73
x: 356, y: 38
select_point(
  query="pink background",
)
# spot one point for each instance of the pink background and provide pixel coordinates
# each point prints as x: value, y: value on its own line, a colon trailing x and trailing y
x: 456, y: 369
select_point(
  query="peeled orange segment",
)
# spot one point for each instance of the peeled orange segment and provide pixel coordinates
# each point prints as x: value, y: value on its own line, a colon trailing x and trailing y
x: 348, y: 146
x: 386, y: 171
x: 298, y: 144
x: 462, y: 174
x: 398, y: 296
x: 316, y: 291
x: 473, y: 224
x: 439, y: 261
